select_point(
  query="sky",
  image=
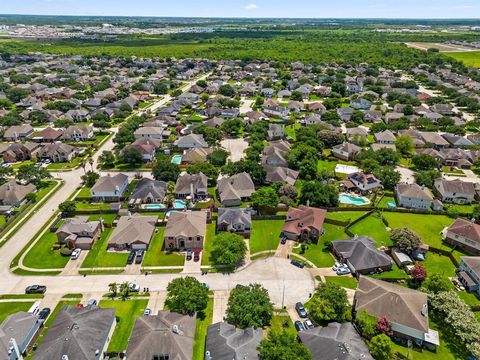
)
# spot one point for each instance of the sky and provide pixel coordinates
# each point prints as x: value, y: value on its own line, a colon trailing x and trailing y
x: 250, y: 8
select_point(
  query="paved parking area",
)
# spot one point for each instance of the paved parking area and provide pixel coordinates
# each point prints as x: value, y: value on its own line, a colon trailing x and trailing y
x: 235, y: 147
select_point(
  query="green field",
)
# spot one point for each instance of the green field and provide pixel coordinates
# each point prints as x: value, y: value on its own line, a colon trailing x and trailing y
x: 315, y: 253
x: 374, y: 227
x: 469, y: 58
x: 42, y: 256
x: 265, y: 235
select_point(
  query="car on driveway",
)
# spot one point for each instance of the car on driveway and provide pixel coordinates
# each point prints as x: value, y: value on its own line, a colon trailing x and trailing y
x: 134, y: 288
x: 301, y: 310
x: 43, y: 314
x: 283, y: 240
x: 131, y: 257
x: 308, y: 324
x: 299, y: 325
x: 297, y: 263
x: 196, y: 255
x: 91, y: 302
x: 35, y: 289
x: 343, y: 271
x: 75, y: 254
x: 147, y: 312
x: 139, y: 256
x: 189, y: 255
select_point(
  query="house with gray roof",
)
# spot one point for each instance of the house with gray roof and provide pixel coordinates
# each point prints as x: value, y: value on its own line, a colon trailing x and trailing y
x: 133, y: 232
x: 237, y: 220
x: 469, y: 273
x: 385, y: 137
x: 275, y: 153
x: 58, y: 152
x: 361, y: 255
x: 235, y: 189
x: 281, y: 174
x: 78, y: 334
x: 194, y: 185
x: 454, y: 191
x: 346, y: 151
x: 457, y: 141
x: 78, y: 133
x: 13, y: 193
x: 148, y: 191
x: 191, y: 141
x: 165, y: 336
x: 226, y: 342
x: 413, y: 196
x: 334, y: 342
x: 110, y: 188
x: 185, y: 230
x: 18, y: 132
x: 21, y: 326
x: 275, y: 131
x: 79, y: 233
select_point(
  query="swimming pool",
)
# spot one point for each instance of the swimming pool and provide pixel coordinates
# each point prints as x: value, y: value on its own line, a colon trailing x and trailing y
x: 353, y: 200
x: 154, y: 206
x: 179, y: 204
x: 176, y: 159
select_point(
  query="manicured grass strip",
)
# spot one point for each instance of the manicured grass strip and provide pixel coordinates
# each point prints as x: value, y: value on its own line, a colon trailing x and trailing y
x: 126, y: 313
x: 265, y: 235
x: 9, y: 308
x: 333, y: 232
x: 203, y: 321
x: 72, y: 296
x: 99, y: 257
x: 22, y: 296
x: 343, y: 281
x: 42, y: 256
x: 207, y: 246
x: 345, y: 215
x: 100, y: 272
x: 156, y: 254
x: 316, y: 254
x: 282, y: 322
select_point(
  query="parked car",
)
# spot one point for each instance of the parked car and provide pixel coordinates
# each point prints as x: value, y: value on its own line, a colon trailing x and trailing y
x: 336, y: 266
x: 308, y: 324
x: 91, y: 302
x: 131, y: 257
x: 43, y: 314
x: 301, y: 310
x: 196, y: 255
x: 147, y: 312
x: 79, y: 306
x: 35, y: 289
x: 299, y: 325
x: 343, y: 271
x: 297, y: 263
x: 283, y: 241
x: 134, y: 287
x: 139, y: 256
x: 189, y: 255
x: 75, y: 254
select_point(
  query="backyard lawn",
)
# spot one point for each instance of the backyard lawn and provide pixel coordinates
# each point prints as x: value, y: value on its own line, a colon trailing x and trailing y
x: 107, y: 218
x: 203, y: 322
x: 374, y: 227
x: 207, y: 245
x: 315, y: 253
x: 98, y: 256
x: 395, y: 273
x: 345, y: 281
x: 9, y: 308
x: 85, y: 205
x: 156, y: 254
x: 281, y: 321
x: 265, y: 235
x: 126, y: 313
x: 42, y: 256
x: 345, y: 215
x: 438, y: 264
x: 333, y: 232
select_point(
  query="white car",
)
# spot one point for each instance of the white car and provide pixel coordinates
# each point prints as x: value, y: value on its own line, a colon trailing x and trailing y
x: 134, y: 287
x: 76, y: 254
x: 147, y: 312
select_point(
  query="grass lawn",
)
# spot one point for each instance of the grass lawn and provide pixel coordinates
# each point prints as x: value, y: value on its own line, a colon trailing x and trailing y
x: 315, y: 253
x: 107, y: 218
x: 438, y: 264
x: 84, y: 192
x: 84, y: 205
x: 395, y: 273
x: 126, y: 313
x: 22, y: 296
x: 265, y: 235
x: 469, y: 58
x: 333, y: 232
x: 282, y: 321
x: 156, y: 254
x: 326, y: 165
x: 385, y: 200
x: 9, y: 308
x: 203, y: 321
x: 470, y: 298
x: 42, y: 256
x: 345, y: 215
x: 374, y: 227
x: 343, y: 281
x: 428, y: 227
x: 98, y: 256
x: 69, y: 165
x: 207, y: 246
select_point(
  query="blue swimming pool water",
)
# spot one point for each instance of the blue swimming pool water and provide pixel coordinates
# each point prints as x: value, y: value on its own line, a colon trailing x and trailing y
x: 179, y: 204
x: 347, y: 199
x: 176, y: 159
x: 155, y: 206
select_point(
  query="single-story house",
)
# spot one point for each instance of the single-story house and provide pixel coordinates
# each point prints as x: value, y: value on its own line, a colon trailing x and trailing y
x: 237, y: 220
x: 235, y: 189
x: 133, y: 232
x: 185, y: 230
x: 13, y: 193
x: 18, y: 132
x: 148, y: 191
x: 110, y: 187
x: 281, y: 174
x: 191, y: 141
x: 79, y: 233
x: 194, y: 185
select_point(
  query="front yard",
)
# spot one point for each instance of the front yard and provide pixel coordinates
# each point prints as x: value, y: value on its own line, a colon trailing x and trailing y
x: 345, y: 281
x: 315, y: 253
x: 43, y: 256
x: 98, y: 256
x: 9, y: 308
x: 156, y: 254
x: 265, y: 235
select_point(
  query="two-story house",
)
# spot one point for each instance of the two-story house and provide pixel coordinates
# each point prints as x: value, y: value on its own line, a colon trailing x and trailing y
x: 465, y: 235
x: 413, y: 196
x: 469, y: 273
x: 455, y: 191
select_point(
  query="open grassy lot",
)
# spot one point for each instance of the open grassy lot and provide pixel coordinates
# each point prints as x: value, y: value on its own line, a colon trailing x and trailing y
x: 207, y: 246
x: 469, y: 58
x: 344, y: 281
x: 345, y: 215
x: 333, y: 232
x: 126, y: 313
x: 374, y: 227
x: 42, y: 256
x: 156, y: 254
x: 9, y: 308
x: 316, y: 254
x: 281, y: 321
x: 203, y: 321
x: 98, y: 256
x: 265, y: 235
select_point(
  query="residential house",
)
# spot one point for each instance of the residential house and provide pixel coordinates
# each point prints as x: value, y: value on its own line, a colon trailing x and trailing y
x: 148, y: 191
x: 14, y: 194
x: 133, y: 232
x: 152, y: 132
x: 147, y: 147
x: 185, y: 230
x: 276, y: 111
x: 281, y: 174
x: 345, y: 113
x: 78, y: 334
x: 365, y: 183
x: 235, y: 189
x: 465, y: 235
x: 361, y: 255
x: 194, y: 185
x: 165, y: 336
x: 77, y: 115
x: 275, y: 131
x: 49, y: 135
x: 356, y: 133
x: 79, y: 233
x: 385, y: 137
x: 413, y: 196
x: 110, y: 188
x: 346, y: 151
x: 457, y: 140
x: 360, y: 104
x: 226, y: 342
x: 24, y: 328
x: 304, y: 223
x: 434, y: 139
x: 19, y: 151
x: 373, y: 116
x: 191, y: 141
x: 409, y: 315
x: 18, y: 132
x: 58, y: 152
x: 443, y: 109
x: 455, y: 191
x: 274, y: 154
x: 196, y: 155
x: 335, y: 341
x: 228, y: 113
x: 78, y: 133
x: 237, y: 220
x: 469, y: 273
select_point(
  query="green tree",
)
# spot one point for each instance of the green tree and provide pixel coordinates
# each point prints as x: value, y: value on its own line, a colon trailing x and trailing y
x: 131, y: 156
x: 436, y: 283
x: 227, y: 249
x: 426, y: 177
x: 424, y: 162
x: 67, y: 208
x: 165, y: 170
x: 227, y: 90
x: 265, y: 197
x: 381, y: 347
x: 405, y: 239
x: 388, y: 176
x: 113, y: 289
x: 367, y: 324
x: 404, y: 145
x: 282, y: 346
x: 124, y: 290
x: 318, y: 194
x: 232, y: 126
x: 218, y: 157
x: 107, y: 159
x: 90, y: 178
x: 329, y: 303
x: 209, y: 170
x: 186, y: 296
x: 31, y: 174
x: 249, y: 306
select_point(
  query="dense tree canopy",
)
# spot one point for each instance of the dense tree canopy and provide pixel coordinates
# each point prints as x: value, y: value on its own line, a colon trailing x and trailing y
x: 186, y: 295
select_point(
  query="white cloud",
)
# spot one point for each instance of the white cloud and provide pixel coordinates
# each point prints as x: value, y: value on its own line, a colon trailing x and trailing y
x: 251, y: 6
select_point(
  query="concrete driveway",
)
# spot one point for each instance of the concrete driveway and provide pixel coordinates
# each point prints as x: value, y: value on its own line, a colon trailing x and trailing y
x: 406, y: 175
x: 220, y: 302
x: 73, y: 266
x: 235, y: 147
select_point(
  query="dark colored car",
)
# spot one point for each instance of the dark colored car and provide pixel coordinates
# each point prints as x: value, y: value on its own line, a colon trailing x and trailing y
x: 43, y: 314
x: 139, y: 257
x: 297, y: 263
x: 196, y: 255
x: 299, y: 325
x: 283, y: 241
x: 189, y: 255
x: 131, y: 257
x: 35, y: 289
x: 300, y: 310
